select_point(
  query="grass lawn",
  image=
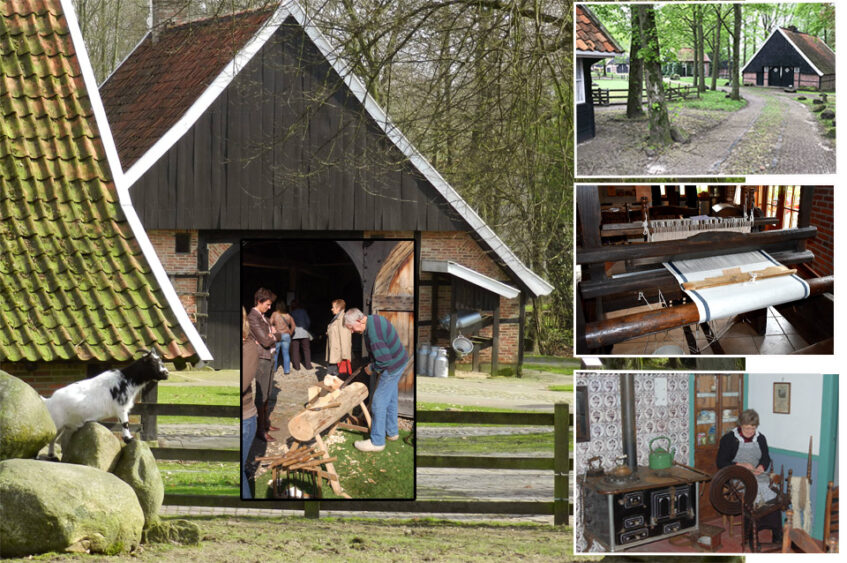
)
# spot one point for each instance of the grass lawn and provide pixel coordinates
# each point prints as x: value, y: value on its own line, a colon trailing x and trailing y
x: 197, y: 395
x: 389, y: 474
x: 421, y: 406
x: 559, y: 370
x: 487, y: 445
x: 200, y: 477
x: 291, y: 538
x: 710, y: 100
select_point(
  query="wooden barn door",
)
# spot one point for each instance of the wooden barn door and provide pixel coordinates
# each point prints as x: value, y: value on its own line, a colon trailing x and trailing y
x: 394, y: 298
x: 224, y: 326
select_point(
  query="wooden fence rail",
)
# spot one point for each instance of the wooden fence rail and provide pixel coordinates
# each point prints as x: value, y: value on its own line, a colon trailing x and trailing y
x: 560, y: 463
x: 618, y: 96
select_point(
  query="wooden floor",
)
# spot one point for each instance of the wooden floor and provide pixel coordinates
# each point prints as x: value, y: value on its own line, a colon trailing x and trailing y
x: 680, y: 544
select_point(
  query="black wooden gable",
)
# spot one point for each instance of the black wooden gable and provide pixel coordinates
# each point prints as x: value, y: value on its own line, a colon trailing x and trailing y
x: 287, y: 146
x: 778, y: 51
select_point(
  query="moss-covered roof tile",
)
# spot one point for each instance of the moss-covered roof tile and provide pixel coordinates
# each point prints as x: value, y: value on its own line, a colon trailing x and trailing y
x: 74, y: 283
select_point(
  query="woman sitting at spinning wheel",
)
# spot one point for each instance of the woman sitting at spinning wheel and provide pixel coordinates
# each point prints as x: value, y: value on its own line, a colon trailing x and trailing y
x: 746, y: 447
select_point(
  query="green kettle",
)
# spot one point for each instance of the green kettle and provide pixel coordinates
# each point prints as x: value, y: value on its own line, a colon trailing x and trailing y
x: 661, y: 458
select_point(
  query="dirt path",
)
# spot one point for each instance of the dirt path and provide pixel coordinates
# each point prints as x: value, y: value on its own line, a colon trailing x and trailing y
x: 773, y: 134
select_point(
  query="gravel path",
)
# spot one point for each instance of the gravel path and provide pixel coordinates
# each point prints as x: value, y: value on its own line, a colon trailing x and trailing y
x: 527, y: 393
x: 773, y: 134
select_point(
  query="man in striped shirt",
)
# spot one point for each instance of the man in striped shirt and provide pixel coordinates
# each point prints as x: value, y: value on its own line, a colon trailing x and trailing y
x: 388, y: 359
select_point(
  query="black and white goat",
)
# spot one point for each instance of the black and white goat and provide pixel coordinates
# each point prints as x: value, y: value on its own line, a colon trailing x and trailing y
x: 110, y: 394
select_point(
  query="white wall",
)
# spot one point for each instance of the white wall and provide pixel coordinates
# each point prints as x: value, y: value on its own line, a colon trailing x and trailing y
x: 788, y: 431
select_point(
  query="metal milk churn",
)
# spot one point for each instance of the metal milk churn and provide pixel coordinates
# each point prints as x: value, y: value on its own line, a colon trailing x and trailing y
x: 422, y: 359
x: 433, y: 353
x: 441, y: 363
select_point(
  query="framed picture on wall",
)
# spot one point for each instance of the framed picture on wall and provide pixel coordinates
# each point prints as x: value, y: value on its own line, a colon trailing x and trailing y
x: 782, y: 398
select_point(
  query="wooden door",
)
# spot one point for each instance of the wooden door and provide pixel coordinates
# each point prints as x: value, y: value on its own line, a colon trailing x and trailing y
x: 223, y: 330
x: 394, y: 298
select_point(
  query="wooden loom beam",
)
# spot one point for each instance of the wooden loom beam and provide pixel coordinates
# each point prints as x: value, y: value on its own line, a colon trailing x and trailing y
x: 612, y: 331
x: 704, y: 244
x: 661, y: 277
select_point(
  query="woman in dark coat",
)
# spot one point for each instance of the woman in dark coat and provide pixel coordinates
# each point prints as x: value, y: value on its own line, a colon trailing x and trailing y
x: 249, y: 362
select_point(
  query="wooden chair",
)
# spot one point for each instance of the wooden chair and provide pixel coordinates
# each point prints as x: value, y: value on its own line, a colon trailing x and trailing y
x: 797, y: 540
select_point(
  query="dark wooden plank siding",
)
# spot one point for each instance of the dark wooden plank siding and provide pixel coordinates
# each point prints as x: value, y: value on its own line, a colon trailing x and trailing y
x: 288, y: 147
x: 779, y: 52
x: 585, y: 112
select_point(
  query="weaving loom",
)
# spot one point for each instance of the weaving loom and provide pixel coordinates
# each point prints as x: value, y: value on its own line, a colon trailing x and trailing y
x: 692, y: 271
x: 677, y: 229
x: 731, y: 284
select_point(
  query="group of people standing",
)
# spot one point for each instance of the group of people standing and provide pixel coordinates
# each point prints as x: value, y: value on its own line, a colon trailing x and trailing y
x: 286, y: 335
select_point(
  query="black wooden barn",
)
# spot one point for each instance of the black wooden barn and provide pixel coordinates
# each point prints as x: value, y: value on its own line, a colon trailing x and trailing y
x: 593, y: 43
x: 248, y: 127
x: 790, y: 58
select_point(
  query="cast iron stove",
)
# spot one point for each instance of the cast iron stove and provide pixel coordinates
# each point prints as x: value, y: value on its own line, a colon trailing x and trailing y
x: 646, y: 506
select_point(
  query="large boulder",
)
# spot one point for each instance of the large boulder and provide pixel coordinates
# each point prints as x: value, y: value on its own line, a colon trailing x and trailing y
x: 25, y: 424
x: 51, y: 506
x: 93, y: 445
x: 138, y: 468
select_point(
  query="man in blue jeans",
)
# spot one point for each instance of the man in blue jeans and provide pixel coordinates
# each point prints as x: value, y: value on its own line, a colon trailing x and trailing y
x: 388, y: 359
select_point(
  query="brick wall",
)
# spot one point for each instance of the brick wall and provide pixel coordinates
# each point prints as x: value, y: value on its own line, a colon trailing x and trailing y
x: 808, y: 81
x: 164, y: 241
x: 459, y: 247
x: 822, y: 218
x: 216, y: 250
x: 749, y: 79
x: 45, y: 378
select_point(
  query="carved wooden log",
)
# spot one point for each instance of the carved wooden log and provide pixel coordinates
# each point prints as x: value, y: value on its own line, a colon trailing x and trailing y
x: 306, y: 425
x: 612, y: 331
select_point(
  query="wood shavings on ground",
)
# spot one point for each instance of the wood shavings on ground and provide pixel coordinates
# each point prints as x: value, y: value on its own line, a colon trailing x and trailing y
x: 337, y: 438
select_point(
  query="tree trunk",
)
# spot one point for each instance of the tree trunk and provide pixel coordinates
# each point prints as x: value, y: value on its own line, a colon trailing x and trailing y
x: 657, y: 110
x: 700, y: 55
x: 636, y: 71
x: 308, y: 423
x: 716, y: 52
x: 736, y: 55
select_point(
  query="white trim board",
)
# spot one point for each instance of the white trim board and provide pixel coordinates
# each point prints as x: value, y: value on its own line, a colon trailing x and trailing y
x: 537, y: 285
x: 122, y: 187
x: 601, y: 54
x: 471, y: 276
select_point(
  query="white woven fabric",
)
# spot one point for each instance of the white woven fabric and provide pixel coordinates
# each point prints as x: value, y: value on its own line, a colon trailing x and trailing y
x: 734, y: 299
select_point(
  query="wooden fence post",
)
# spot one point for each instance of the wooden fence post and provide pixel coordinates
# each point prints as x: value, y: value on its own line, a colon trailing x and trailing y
x: 312, y: 509
x: 561, y: 455
x: 149, y: 421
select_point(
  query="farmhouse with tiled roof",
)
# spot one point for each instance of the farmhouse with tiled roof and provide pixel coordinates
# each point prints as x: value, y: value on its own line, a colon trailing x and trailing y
x: 593, y: 43
x: 790, y: 58
x: 262, y: 132
x: 80, y: 284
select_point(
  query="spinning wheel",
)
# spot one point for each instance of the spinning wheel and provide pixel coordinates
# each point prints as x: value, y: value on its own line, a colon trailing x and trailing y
x: 733, y: 487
